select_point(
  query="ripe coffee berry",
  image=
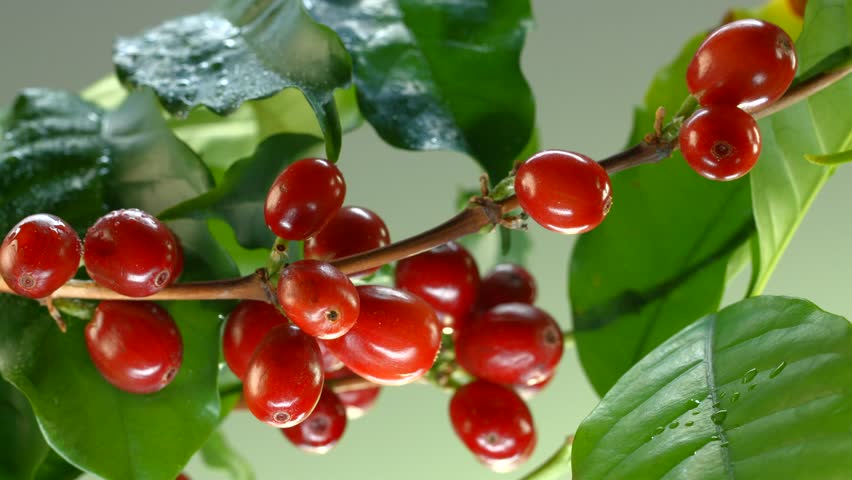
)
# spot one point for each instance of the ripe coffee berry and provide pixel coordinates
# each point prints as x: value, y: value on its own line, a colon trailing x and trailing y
x: 494, y: 424
x: 511, y: 344
x: 446, y: 277
x: 744, y: 63
x: 135, y: 345
x: 247, y: 325
x: 303, y: 198
x: 720, y: 142
x: 506, y: 283
x: 318, y: 298
x: 39, y: 255
x: 357, y: 402
x: 284, y: 379
x: 564, y: 191
x: 395, y: 340
x: 321, y: 431
x: 131, y: 252
x: 330, y: 363
x: 352, y: 230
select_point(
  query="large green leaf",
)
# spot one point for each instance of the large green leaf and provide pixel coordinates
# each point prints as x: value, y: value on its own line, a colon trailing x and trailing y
x: 243, y: 50
x: 240, y: 196
x: 219, y: 454
x: 440, y: 75
x: 65, y: 156
x: 24, y: 446
x: 660, y: 259
x: 760, y: 390
x: 784, y: 184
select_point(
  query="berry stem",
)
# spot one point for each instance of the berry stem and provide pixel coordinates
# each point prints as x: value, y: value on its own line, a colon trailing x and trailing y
x: 470, y: 220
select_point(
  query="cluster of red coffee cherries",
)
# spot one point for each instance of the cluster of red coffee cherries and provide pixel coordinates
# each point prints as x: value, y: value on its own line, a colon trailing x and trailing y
x: 744, y: 64
x: 135, y: 345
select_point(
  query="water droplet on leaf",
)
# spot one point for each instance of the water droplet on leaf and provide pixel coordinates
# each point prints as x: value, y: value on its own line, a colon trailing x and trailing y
x: 719, y: 417
x: 749, y: 375
x: 778, y: 370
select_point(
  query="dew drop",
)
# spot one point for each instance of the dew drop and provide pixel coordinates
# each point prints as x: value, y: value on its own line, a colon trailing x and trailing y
x: 724, y: 444
x: 223, y: 82
x: 722, y: 395
x: 696, y: 412
x: 778, y: 370
x: 752, y: 387
x: 674, y: 424
x: 659, y: 430
x: 230, y: 43
x: 689, y: 424
x: 183, y: 82
x: 714, y: 438
x: 719, y: 417
x: 692, y: 403
x: 749, y: 375
x: 735, y: 397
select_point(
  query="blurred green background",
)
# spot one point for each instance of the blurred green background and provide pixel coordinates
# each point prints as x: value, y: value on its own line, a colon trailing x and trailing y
x: 589, y: 62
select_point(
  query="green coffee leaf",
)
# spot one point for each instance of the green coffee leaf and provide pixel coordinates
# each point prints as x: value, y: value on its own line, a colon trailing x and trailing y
x: 240, y: 197
x: 25, y: 447
x: 760, y: 390
x: 219, y: 454
x: 659, y: 260
x: 440, y: 75
x: 242, y: 50
x: 64, y: 156
x: 784, y: 184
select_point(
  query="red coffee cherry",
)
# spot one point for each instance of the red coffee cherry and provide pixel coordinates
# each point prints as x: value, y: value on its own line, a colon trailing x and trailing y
x: 564, y: 191
x: 284, y: 379
x: 395, y: 340
x: 247, y: 325
x: 303, y: 198
x: 330, y: 363
x: 511, y: 344
x: 494, y: 424
x: 357, y: 402
x: 321, y: 431
x: 318, y: 298
x: 744, y: 63
x: 352, y: 230
x: 131, y: 252
x: 135, y: 345
x: 182, y: 476
x: 720, y: 142
x: 446, y: 277
x: 506, y: 283
x: 39, y: 255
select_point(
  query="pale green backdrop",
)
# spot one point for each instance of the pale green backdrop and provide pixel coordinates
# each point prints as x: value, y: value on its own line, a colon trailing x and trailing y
x: 589, y: 62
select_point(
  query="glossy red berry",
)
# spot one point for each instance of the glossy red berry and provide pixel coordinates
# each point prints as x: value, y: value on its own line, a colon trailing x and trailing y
x: 720, y: 142
x: 359, y: 401
x: 798, y: 7
x: 494, y: 423
x: 39, y: 255
x: 247, y: 325
x: 135, y: 345
x: 321, y: 431
x: 330, y: 363
x: 506, y: 283
x: 182, y: 476
x: 284, y: 379
x: 319, y: 298
x: 131, y: 252
x: 303, y: 198
x: 395, y: 340
x: 446, y: 277
x: 744, y: 63
x: 511, y: 344
x: 564, y: 191
x: 352, y: 230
